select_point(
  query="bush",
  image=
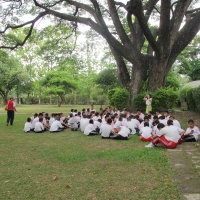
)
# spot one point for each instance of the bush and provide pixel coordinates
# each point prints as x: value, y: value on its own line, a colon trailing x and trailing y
x: 196, y: 99
x: 119, y: 97
x: 163, y: 99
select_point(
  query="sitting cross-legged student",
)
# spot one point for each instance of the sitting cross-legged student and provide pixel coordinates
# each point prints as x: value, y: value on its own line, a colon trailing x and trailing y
x: 84, y: 122
x: 28, y: 127
x: 123, y: 133
x: 146, y: 133
x: 131, y: 125
x: 39, y: 127
x: 192, y: 132
x: 89, y: 129
x: 97, y: 125
x: 168, y: 136
x: 56, y: 125
x: 52, y: 119
x: 117, y: 125
x: 73, y: 123
x: 106, y: 129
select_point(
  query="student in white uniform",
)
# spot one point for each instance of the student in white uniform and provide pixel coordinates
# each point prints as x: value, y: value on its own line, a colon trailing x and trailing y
x: 39, y: 127
x: 168, y: 136
x: 158, y: 113
x: 73, y: 123
x: 28, y: 126
x: 97, y: 125
x: 175, y: 122
x: 56, y: 126
x: 131, y: 125
x: 166, y: 114
x: 141, y: 115
x: 155, y: 128
x: 117, y: 125
x: 52, y: 119
x: 163, y: 120
x: 192, y: 132
x: 33, y: 117
x: 146, y: 119
x: 106, y: 130
x: 84, y: 122
x: 146, y: 133
x: 123, y: 134
x: 89, y: 129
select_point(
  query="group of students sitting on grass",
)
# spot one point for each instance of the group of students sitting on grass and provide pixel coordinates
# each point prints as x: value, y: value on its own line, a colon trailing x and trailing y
x: 113, y: 124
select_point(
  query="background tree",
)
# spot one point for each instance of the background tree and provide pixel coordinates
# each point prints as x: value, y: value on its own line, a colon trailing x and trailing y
x: 58, y: 83
x: 11, y: 74
x: 125, y: 38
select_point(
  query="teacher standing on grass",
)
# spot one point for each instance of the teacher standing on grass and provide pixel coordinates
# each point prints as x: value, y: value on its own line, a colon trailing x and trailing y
x: 148, y: 100
x: 10, y: 111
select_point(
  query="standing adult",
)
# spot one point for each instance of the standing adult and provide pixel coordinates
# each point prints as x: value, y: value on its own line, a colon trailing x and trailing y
x: 148, y: 100
x: 10, y: 111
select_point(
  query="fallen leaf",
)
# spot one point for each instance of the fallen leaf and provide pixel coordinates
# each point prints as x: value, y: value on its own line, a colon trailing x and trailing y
x: 55, y: 178
x: 68, y: 186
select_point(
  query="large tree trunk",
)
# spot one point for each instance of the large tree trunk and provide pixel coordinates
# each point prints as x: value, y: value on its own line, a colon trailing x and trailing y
x: 157, y: 74
x: 28, y: 98
x: 50, y: 100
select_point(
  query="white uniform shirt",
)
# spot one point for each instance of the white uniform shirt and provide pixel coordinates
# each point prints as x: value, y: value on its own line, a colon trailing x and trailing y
x: 148, y: 101
x: 55, y: 126
x: 131, y: 125
x: 142, y: 125
x: 97, y: 124
x: 170, y: 133
x: 141, y: 116
x: 105, y: 130
x: 34, y: 121
x: 155, y: 130
x: 38, y: 127
x: 88, y: 129
x: 195, y: 130
x: 146, y: 132
x: 163, y: 121
x: 84, y: 123
x: 167, y: 118
x: 118, y: 124
x: 176, y: 123
x: 27, y: 126
x: 136, y: 122
x: 73, y: 122
x: 124, y: 131
x: 52, y: 119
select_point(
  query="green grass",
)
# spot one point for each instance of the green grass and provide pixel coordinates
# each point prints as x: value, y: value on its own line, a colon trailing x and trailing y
x: 94, y: 168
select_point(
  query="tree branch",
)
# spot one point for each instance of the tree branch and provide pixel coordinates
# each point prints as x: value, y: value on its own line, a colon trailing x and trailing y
x: 150, y: 5
x: 177, y: 18
x: 184, y: 37
x: 32, y: 22
x: 135, y: 7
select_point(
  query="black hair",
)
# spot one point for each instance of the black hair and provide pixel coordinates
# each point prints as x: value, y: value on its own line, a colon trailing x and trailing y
x: 28, y: 119
x: 72, y: 110
x: 160, y: 125
x: 169, y: 122
x: 120, y: 119
x: 97, y: 113
x: 162, y: 117
x: 138, y: 110
x: 35, y: 114
x: 156, y: 122
x: 155, y: 117
x: 172, y: 117
x: 84, y: 115
x: 167, y: 111
x: 91, y: 121
x: 79, y: 113
x: 71, y: 115
x: 146, y: 124
x: 109, y: 121
x: 40, y: 119
x: 88, y: 116
x: 146, y: 117
x: 190, y: 121
x: 40, y: 114
x: 99, y: 120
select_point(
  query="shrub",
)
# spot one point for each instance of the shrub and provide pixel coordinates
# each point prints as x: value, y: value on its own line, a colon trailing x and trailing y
x: 163, y: 99
x: 196, y: 99
x: 118, y: 97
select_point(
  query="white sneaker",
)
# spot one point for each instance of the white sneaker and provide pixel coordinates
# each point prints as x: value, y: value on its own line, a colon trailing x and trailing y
x: 150, y: 145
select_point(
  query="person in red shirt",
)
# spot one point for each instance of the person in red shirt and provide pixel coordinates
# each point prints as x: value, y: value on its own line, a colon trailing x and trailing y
x: 10, y: 111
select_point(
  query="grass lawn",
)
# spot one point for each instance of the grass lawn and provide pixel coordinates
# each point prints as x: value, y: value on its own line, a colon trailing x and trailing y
x: 85, y: 167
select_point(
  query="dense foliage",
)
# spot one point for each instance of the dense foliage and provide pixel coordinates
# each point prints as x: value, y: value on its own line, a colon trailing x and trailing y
x: 118, y: 97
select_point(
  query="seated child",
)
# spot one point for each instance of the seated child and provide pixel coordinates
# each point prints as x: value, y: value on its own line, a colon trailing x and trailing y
x: 28, y: 126
x: 192, y: 132
x: 131, y: 125
x: 146, y: 133
x: 123, y: 133
x: 73, y: 123
x: 117, y: 125
x: 97, y: 125
x: 52, y: 119
x: 39, y: 127
x: 168, y: 136
x: 84, y: 122
x: 106, y: 129
x: 89, y: 129
x: 56, y: 125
